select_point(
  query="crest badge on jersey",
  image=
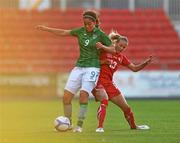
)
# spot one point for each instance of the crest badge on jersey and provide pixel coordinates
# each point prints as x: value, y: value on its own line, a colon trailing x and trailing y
x: 94, y: 36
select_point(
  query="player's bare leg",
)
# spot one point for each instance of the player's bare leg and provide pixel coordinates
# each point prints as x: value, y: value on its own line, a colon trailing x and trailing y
x: 83, y: 101
x: 120, y: 101
x: 67, y: 98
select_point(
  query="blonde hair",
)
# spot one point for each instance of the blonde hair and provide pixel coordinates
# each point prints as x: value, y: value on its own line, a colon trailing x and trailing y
x: 116, y: 37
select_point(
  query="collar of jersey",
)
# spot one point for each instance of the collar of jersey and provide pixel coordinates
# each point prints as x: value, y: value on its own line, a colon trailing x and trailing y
x: 94, y: 30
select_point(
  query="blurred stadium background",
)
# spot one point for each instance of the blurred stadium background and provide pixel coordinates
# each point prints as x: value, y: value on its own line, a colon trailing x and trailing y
x: 37, y: 63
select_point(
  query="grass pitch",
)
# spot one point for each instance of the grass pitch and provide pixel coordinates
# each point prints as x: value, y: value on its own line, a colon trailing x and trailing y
x: 31, y: 121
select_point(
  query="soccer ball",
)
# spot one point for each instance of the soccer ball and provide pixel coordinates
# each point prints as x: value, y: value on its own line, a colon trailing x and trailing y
x: 61, y: 123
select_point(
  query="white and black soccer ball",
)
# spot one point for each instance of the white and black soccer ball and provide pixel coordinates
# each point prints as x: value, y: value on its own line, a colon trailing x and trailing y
x: 61, y: 123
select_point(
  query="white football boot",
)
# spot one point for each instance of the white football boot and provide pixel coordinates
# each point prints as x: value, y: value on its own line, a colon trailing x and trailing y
x: 100, y: 130
x: 77, y: 129
x: 142, y: 127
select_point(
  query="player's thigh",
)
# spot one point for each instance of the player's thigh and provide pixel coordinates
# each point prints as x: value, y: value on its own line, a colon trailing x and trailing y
x: 74, y: 80
x: 111, y: 89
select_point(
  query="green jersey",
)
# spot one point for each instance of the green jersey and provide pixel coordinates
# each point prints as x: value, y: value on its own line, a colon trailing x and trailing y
x: 89, y: 54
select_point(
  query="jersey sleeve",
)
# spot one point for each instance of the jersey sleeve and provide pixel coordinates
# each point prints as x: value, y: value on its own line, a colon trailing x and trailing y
x: 125, y: 61
x: 105, y: 40
x: 75, y: 32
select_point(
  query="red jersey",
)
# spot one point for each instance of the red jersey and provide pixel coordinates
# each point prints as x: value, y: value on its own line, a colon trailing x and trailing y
x: 107, y: 70
x: 115, y: 61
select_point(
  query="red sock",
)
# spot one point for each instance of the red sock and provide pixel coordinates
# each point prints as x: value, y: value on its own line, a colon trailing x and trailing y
x: 101, y: 113
x: 130, y: 118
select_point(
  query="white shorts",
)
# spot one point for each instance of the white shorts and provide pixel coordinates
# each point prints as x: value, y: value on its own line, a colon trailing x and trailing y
x: 82, y: 79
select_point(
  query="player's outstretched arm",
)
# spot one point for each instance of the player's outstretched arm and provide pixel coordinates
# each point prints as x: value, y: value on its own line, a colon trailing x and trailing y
x: 109, y: 49
x: 138, y: 67
x: 60, y: 32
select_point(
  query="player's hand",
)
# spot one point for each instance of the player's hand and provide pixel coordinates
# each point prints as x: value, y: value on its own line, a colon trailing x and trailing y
x: 41, y: 27
x: 99, y: 45
x: 150, y: 59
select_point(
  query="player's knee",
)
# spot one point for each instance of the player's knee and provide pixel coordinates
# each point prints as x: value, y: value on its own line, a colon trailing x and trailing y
x: 67, y: 97
x: 83, y: 96
x: 100, y: 95
x: 96, y: 94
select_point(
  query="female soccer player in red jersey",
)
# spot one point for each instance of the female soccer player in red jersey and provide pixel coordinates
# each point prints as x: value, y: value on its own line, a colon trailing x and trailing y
x: 105, y: 88
x: 83, y: 77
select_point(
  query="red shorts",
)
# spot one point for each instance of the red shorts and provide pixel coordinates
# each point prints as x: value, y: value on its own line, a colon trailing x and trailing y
x: 108, y: 86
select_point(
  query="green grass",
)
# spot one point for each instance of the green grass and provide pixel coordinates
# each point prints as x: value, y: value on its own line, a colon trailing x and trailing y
x: 31, y: 121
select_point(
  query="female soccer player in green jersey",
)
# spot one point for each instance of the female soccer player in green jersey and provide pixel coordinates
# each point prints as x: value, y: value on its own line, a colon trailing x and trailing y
x: 84, y: 75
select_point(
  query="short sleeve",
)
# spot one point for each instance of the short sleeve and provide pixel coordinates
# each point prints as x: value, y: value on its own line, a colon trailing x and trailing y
x: 125, y: 61
x: 75, y: 32
x: 105, y: 40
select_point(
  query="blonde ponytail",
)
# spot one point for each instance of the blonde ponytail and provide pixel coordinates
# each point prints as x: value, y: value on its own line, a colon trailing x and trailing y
x: 116, y: 37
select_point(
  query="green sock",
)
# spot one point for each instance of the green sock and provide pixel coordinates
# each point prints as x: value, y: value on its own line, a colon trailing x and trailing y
x: 82, y: 114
